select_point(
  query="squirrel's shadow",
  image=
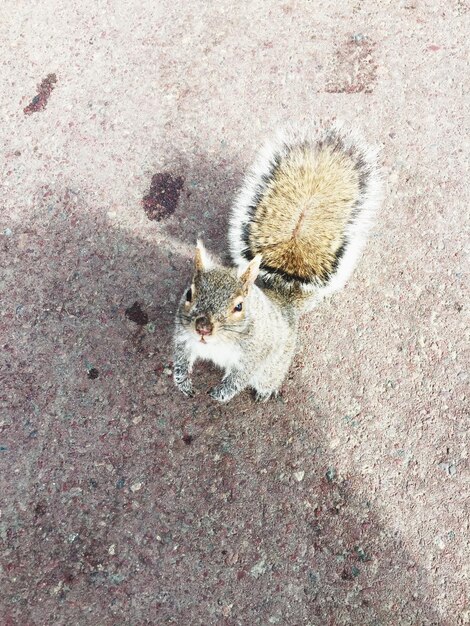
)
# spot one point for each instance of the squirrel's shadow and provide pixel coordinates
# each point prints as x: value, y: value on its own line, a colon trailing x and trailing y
x: 252, y: 494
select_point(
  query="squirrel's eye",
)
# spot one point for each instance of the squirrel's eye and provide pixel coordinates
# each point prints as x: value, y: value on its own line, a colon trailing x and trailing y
x: 189, y: 295
x: 239, y: 307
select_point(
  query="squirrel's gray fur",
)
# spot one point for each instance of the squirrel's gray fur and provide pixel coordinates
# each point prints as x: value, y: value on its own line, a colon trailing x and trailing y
x: 297, y: 228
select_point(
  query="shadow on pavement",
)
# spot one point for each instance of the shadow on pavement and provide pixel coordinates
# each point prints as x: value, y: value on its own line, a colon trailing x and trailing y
x: 125, y: 503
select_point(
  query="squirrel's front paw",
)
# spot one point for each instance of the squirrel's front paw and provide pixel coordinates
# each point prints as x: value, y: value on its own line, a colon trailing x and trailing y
x: 220, y: 393
x: 263, y: 397
x: 185, y: 386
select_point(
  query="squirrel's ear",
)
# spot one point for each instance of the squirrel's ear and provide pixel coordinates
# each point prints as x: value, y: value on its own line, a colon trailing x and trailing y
x: 250, y: 274
x: 202, y: 260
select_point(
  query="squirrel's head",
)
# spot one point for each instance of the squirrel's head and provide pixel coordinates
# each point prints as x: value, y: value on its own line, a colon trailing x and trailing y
x: 215, y: 305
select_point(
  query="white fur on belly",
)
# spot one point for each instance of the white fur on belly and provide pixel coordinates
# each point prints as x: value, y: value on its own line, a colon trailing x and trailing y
x: 225, y: 355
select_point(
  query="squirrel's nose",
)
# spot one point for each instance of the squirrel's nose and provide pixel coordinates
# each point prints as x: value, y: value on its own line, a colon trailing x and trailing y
x: 203, y: 325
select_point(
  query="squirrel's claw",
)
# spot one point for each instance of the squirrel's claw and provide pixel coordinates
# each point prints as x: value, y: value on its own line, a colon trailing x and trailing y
x: 263, y: 397
x: 186, y: 388
x: 219, y: 393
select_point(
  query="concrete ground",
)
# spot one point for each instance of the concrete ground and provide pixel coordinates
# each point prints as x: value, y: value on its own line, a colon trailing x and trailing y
x: 123, y: 503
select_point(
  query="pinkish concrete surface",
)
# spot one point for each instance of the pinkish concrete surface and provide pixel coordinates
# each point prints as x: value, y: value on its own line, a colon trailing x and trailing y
x: 122, y: 503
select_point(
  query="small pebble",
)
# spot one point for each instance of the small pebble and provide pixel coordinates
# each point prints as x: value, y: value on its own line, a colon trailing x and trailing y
x: 361, y: 554
x: 112, y: 549
x: 330, y: 474
x: 93, y: 373
x: 258, y: 569
x: 449, y: 468
x: 299, y: 476
x: 57, y: 588
x: 136, y: 487
x: 439, y: 543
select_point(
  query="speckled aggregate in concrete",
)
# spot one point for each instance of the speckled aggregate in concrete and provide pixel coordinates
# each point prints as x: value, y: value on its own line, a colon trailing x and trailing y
x: 123, y: 503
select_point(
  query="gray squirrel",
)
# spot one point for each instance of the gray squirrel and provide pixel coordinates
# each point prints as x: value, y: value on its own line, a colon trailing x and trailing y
x: 297, y: 228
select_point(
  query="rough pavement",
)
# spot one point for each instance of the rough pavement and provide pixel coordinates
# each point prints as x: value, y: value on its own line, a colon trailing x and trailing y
x: 122, y: 503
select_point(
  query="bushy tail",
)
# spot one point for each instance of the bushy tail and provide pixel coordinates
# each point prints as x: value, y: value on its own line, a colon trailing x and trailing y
x: 306, y: 206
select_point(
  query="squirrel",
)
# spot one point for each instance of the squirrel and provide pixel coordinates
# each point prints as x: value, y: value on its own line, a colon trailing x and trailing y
x: 296, y: 230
